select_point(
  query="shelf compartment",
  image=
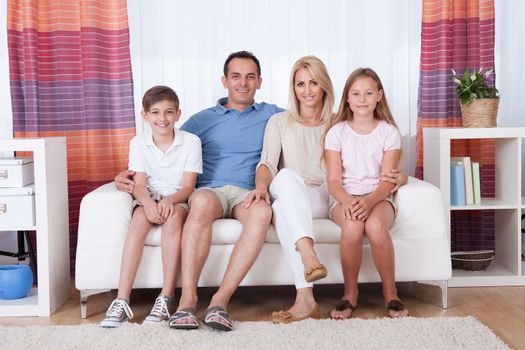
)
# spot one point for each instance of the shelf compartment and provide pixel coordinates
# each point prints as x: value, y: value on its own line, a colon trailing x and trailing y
x: 20, y: 307
x: 494, y: 275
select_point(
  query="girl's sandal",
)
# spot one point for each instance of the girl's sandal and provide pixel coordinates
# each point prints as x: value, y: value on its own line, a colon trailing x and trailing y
x: 397, y: 306
x: 343, y: 305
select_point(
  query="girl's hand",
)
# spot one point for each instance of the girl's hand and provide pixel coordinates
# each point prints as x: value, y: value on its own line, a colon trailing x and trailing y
x: 165, y: 208
x: 347, y: 207
x: 361, y: 209
x: 124, y: 181
x: 397, y: 177
x: 152, y: 212
x: 255, y: 196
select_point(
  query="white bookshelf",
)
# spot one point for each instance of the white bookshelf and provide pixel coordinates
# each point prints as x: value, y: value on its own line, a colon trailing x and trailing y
x: 51, y: 226
x: 507, y: 268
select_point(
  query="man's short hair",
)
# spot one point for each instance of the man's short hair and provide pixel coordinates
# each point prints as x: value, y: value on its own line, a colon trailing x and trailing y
x: 242, y: 54
x: 159, y: 93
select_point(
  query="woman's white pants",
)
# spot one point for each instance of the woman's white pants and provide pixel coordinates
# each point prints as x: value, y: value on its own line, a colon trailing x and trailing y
x: 295, y: 205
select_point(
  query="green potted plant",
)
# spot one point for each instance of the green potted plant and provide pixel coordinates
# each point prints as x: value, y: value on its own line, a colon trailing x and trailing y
x: 479, y: 102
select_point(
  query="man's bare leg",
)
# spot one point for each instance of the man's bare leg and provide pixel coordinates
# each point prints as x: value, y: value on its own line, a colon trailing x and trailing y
x: 255, y: 221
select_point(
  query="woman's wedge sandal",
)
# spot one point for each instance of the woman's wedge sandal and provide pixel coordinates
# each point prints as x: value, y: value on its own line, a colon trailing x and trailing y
x: 315, y: 273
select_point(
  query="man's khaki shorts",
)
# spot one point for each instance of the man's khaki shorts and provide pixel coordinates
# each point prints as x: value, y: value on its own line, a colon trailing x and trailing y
x: 229, y: 196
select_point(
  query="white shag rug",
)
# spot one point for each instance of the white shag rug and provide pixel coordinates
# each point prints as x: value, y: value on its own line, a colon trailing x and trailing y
x: 409, y: 333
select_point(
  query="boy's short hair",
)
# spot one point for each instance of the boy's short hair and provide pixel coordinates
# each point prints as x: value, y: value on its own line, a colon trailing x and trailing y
x: 242, y: 54
x: 159, y: 93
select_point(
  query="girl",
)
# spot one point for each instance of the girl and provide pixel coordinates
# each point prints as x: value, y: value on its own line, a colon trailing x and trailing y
x: 363, y: 142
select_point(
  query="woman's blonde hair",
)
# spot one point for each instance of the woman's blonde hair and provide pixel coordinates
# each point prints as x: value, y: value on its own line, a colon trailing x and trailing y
x: 319, y: 72
x: 381, y: 112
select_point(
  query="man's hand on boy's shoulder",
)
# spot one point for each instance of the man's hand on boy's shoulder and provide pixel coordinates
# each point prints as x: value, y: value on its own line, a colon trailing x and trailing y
x: 124, y: 181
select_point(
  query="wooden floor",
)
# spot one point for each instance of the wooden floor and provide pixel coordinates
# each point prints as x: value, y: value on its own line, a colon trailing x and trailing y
x: 500, y: 308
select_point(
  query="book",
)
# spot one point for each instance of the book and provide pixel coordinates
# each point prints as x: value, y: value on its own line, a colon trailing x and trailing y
x: 467, y: 171
x: 457, y: 183
x: 476, y: 183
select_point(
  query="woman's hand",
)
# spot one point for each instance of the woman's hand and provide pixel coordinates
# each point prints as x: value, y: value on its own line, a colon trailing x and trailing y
x: 124, y: 181
x: 397, y: 177
x: 255, y: 196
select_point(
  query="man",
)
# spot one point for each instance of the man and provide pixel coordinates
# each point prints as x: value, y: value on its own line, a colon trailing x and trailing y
x: 231, y: 134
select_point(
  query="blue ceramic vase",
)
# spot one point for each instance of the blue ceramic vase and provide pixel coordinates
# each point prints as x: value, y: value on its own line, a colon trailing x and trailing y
x: 15, y: 281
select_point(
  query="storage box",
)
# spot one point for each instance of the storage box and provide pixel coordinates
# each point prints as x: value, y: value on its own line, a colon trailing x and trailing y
x: 16, y: 171
x: 17, y: 207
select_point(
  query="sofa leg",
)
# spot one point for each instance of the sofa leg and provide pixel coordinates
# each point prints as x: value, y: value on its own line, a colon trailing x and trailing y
x: 444, y: 293
x: 84, y: 294
x: 443, y: 285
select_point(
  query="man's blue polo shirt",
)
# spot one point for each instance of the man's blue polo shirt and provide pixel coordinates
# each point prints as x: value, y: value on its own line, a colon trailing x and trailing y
x: 231, y: 142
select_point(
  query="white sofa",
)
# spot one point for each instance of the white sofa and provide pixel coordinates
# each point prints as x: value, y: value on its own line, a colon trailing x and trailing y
x: 419, y: 234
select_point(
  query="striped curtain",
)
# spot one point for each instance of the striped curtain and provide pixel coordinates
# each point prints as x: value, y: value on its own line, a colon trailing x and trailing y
x: 70, y: 75
x: 457, y: 34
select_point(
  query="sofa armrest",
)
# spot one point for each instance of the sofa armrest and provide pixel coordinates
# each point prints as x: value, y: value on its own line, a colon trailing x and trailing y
x: 421, y: 213
x: 105, y: 215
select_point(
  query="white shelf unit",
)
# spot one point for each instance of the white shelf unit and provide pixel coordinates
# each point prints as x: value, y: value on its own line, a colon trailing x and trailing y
x: 507, y: 268
x: 51, y: 226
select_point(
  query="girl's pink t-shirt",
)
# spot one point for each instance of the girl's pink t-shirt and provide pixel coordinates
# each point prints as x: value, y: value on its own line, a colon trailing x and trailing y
x: 362, y: 155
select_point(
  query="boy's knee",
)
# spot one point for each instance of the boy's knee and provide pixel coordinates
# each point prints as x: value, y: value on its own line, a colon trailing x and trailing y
x: 177, y: 218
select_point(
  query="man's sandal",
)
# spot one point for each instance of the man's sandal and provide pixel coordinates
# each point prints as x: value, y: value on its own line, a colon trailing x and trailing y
x: 218, y: 312
x: 184, y: 314
x: 396, y: 305
x: 343, y: 305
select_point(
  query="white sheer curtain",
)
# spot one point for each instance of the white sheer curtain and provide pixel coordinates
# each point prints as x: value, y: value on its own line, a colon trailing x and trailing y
x: 183, y: 44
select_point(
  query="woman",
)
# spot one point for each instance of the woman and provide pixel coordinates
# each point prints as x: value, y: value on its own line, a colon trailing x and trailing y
x: 291, y: 162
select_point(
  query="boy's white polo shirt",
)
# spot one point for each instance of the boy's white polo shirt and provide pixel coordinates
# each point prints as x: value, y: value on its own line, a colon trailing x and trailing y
x: 164, y: 170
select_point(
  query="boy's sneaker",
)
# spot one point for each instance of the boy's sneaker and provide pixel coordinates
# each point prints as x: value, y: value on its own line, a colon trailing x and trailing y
x: 118, y: 312
x: 160, y: 311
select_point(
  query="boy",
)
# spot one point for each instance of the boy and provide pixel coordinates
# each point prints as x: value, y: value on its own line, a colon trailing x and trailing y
x: 166, y: 162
